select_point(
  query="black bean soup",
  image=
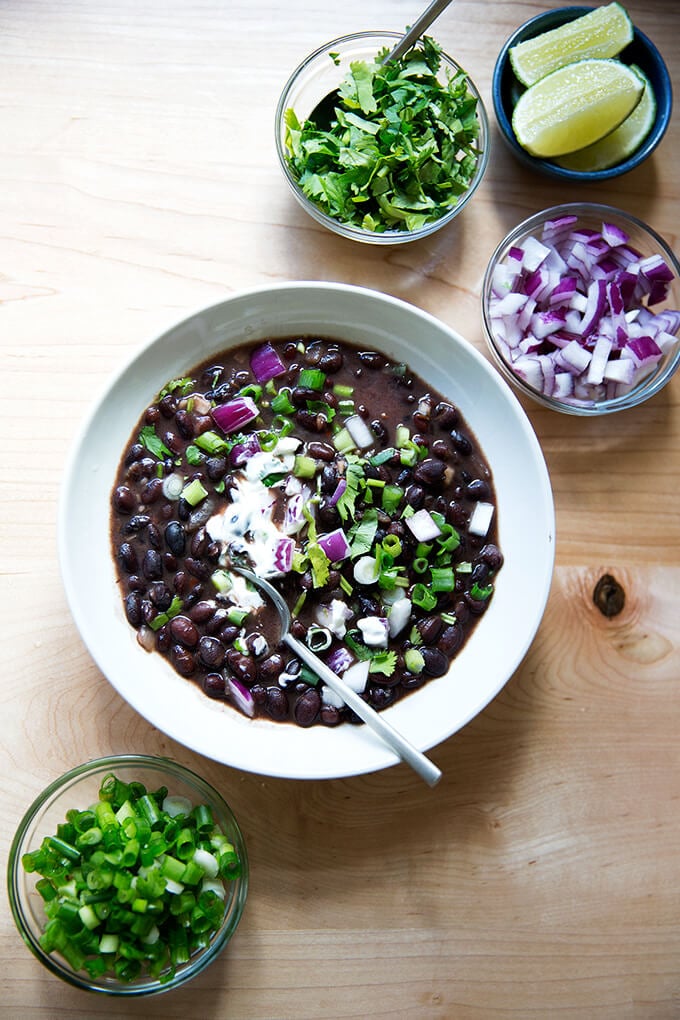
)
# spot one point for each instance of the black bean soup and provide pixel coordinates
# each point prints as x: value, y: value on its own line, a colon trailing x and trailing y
x: 341, y: 476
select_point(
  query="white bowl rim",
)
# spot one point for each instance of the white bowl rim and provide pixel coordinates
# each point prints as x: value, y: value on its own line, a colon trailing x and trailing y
x: 165, y: 698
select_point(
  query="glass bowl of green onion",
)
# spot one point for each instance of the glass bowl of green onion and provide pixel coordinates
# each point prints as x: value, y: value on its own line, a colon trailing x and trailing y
x: 381, y: 151
x: 128, y: 875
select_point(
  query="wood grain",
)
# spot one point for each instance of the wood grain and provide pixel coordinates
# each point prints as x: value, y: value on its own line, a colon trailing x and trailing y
x: 541, y: 879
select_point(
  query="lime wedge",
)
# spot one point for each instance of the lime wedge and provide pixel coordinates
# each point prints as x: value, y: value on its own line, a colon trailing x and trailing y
x: 575, y: 106
x: 602, y: 33
x: 622, y: 142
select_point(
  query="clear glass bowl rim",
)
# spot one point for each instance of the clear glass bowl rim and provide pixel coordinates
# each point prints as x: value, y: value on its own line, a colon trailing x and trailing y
x: 166, y: 767
x: 344, y: 229
x: 648, y: 386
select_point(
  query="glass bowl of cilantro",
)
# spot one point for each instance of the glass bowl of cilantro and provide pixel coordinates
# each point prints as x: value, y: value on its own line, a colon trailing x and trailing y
x: 380, y: 151
x: 127, y: 875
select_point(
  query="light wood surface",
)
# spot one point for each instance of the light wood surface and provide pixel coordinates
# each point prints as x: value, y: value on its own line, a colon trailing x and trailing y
x: 541, y: 878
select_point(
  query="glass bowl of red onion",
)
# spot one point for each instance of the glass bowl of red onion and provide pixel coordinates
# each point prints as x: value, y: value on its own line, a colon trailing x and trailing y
x: 581, y: 308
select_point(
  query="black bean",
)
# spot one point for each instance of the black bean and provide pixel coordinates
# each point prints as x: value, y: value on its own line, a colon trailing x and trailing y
x: 151, y: 491
x: 152, y: 565
x: 430, y: 472
x: 136, y: 452
x: 421, y: 421
x: 163, y: 639
x: 492, y: 556
x: 450, y: 639
x: 183, y: 660
x: 298, y: 630
x: 430, y: 628
x: 379, y: 430
x: 175, y: 538
x: 329, y: 479
x: 259, y: 693
x: 461, y: 443
x: 123, y: 499
x: 456, y: 514
x: 372, y: 359
x: 228, y: 633
x: 136, y: 583
x: 203, y: 611
x: 154, y: 536
x: 311, y: 420
x: 477, y: 606
x: 301, y: 394
x: 211, y: 652
x: 329, y: 715
x: 199, y: 541
x: 276, y: 704
x: 445, y: 414
x: 331, y: 361
x: 213, y: 684
x: 270, y: 668
x: 242, y: 666
x: 184, y: 424
x: 478, y: 489
x: 152, y: 415
x: 133, y: 608
x: 480, y: 574
x: 321, y: 451
x: 160, y: 595
x: 183, y: 509
x: 436, y: 663
x: 202, y: 423
x: 440, y: 449
x: 381, y: 697
x: 197, y: 569
x: 413, y: 680
x: 127, y: 557
x: 168, y: 405
x: 184, y: 631
x: 414, y: 496
x: 181, y: 582
x: 307, y: 707
x: 216, y: 468
x: 144, y: 468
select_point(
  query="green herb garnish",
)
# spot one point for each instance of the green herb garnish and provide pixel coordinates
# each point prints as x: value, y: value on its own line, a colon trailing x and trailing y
x: 401, y: 149
x: 153, y: 443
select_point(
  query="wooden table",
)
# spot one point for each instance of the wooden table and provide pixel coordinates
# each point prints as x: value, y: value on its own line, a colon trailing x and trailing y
x: 541, y: 878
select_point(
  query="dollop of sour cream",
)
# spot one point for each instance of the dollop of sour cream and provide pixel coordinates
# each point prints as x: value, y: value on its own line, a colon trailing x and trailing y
x: 246, y: 524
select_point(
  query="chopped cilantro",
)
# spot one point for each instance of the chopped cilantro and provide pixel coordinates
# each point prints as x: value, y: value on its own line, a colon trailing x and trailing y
x: 383, y: 662
x: 184, y: 385
x: 354, y: 473
x: 362, y: 534
x: 402, y: 146
x: 153, y: 443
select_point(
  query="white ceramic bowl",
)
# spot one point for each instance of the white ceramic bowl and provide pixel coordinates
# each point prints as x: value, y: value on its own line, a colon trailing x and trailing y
x: 525, y: 521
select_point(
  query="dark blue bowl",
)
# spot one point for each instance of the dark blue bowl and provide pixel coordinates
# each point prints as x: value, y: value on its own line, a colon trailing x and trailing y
x: 506, y: 90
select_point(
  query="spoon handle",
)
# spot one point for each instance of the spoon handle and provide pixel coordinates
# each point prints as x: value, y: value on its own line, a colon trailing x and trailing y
x: 417, y: 29
x: 426, y: 769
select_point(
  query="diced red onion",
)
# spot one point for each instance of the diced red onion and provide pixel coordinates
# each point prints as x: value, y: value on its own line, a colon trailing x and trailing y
x: 423, y: 526
x: 339, y: 659
x: 283, y: 555
x: 241, y: 696
x: 339, y: 489
x: 235, y: 413
x: 580, y: 303
x: 266, y: 363
x: 241, y: 452
x: 335, y: 545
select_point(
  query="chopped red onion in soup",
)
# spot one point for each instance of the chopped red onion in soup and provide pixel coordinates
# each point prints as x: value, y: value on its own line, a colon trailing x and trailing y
x: 572, y: 312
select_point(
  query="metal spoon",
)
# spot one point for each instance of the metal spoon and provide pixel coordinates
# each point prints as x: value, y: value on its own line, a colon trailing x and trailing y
x: 426, y: 769
x: 324, y: 111
x: 416, y: 30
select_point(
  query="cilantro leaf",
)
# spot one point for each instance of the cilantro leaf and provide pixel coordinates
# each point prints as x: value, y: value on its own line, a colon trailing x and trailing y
x: 153, y: 443
x: 383, y: 662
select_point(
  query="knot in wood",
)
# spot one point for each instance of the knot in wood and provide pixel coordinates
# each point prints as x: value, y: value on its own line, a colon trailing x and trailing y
x: 609, y: 596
